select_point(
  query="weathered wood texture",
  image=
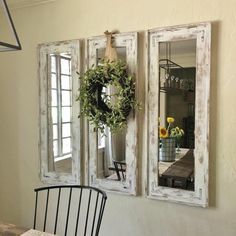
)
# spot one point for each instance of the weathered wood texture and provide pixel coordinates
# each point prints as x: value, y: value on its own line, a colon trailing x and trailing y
x: 129, y: 41
x: 202, y: 33
x: 45, y: 141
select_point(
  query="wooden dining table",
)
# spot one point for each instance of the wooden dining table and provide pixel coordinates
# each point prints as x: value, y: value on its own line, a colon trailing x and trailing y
x: 8, y: 229
x: 179, y: 171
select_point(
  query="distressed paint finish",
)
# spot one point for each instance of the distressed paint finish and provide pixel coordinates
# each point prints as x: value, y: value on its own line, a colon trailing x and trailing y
x: 45, y: 146
x: 202, y: 33
x: 129, y: 41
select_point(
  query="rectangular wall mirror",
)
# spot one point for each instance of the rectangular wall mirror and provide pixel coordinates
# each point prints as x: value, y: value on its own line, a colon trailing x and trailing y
x: 178, y: 113
x: 113, y: 157
x: 59, y: 123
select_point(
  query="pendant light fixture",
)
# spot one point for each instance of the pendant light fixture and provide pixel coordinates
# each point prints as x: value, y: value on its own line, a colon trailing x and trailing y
x: 167, y: 62
x: 8, y: 46
x: 168, y: 79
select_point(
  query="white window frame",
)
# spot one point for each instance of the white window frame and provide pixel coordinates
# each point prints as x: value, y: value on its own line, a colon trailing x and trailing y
x: 58, y: 73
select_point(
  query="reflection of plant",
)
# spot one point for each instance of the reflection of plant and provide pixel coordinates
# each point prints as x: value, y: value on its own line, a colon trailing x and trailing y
x: 175, y: 132
x: 170, y: 120
x: 165, y: 132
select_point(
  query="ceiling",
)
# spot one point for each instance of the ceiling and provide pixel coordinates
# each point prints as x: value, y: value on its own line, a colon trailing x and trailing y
x: 26, y: 3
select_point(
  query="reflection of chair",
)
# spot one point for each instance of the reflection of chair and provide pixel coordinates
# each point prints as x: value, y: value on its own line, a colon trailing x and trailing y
x: 69, y: 209
x: 120, y: 169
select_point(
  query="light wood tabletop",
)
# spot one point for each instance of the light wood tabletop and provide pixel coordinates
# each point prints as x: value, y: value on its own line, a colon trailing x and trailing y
x: 8, y: 229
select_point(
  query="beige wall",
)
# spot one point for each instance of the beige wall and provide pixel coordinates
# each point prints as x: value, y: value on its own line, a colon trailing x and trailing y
x: 133, y: 216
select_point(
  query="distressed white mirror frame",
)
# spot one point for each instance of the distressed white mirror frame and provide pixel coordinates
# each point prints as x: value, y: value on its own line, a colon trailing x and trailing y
x: 202, y: 33
x: 71, y: 47
x: 129, y: 186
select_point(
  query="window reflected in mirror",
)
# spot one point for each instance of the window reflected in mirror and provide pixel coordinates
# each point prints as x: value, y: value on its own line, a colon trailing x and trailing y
x: 176, y: 121
x: 60, y: 94
x: 111, y: 159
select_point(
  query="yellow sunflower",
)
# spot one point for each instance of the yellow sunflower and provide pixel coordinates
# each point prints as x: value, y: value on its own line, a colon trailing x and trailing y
x: 163, y: 132
x: 170, y: 120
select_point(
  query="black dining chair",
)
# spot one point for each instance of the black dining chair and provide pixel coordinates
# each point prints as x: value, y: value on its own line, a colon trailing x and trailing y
x: 69, y: 210
x: 120, y: 169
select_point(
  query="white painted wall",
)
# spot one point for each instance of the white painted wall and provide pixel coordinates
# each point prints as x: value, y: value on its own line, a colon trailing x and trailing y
x: 133, y: 216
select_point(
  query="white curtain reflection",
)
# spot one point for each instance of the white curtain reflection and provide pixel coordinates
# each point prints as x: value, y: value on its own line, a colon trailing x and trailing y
x: 114, y: 149
x: 114, y: 142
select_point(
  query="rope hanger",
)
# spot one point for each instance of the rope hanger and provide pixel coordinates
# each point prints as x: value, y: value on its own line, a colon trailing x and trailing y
x: 110, y: 53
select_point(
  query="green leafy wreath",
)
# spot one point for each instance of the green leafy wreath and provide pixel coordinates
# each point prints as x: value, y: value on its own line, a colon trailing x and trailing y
x: 98, y: 106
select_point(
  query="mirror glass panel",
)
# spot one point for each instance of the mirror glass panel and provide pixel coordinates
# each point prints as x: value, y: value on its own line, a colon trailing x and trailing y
x: 177, y: 79
x: 111, y: 159
x: 60, y: 94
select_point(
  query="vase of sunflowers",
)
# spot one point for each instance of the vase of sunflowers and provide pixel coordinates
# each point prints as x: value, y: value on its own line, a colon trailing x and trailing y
x: 168, y: 138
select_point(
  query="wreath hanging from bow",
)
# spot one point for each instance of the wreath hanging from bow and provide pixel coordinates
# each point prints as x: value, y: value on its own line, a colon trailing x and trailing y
x: 104, y: 108
x: 107, y: 92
